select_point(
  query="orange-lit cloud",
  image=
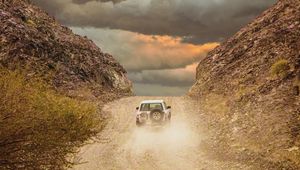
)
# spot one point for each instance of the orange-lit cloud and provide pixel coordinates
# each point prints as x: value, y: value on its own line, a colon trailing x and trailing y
x: 163, y: 52
x: 164, y: 64
x: 137, y: 52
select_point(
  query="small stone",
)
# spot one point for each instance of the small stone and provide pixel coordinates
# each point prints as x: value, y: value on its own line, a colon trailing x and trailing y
x: 294, y: 148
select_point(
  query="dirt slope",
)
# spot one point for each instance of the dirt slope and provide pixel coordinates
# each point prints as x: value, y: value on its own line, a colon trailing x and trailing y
x: 238, y: 86
x: 31, y: 40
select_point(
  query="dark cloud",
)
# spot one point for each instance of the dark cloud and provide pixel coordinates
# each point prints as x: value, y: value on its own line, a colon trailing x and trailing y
x: 161, y: 64
x: 158, y: 90
x: 199, y: 20
x: 137, y: 52
x: 169, y: 77
x: 157, y: 41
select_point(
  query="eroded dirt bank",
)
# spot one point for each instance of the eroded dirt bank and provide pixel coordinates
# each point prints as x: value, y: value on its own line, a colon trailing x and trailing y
x: 185, y: 144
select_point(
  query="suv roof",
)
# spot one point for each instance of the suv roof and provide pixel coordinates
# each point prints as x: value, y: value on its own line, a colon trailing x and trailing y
x: 152, y: 101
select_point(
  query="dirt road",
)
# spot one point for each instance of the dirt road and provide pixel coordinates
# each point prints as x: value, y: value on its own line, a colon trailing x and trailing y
x: 124, y: 146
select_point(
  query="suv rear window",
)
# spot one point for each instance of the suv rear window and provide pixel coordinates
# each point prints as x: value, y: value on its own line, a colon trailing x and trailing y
x: 151, y: 106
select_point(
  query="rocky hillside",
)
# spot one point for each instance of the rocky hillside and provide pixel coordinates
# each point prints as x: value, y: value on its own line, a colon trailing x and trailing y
x: 33, y: 41
x: 250, y: 84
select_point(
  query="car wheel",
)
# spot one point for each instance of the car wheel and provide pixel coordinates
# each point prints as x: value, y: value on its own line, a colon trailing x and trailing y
x: 156, y: 115
x: 138, y: 123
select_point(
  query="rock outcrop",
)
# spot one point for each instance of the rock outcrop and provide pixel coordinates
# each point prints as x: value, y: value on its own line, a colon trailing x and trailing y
x: 250, y: 83
x: 33, y: 41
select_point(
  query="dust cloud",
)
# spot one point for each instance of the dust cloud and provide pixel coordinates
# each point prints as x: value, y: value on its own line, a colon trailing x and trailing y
x: 175, y: 146
x: 169, y: 138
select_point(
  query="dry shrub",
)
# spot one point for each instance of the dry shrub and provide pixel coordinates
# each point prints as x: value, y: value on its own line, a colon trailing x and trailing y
x: 281, y: 68
x: 38, y: 127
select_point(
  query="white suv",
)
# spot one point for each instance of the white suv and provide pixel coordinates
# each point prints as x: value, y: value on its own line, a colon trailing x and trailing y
x: 153, y: 111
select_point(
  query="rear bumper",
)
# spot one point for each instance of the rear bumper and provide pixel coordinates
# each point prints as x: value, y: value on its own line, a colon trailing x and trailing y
x: 145, y: 119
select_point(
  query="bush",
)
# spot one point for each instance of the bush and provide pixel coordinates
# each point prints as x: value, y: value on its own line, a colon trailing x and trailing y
x: 280, y: 68
x: 38, y: 127
x: 30, y: 22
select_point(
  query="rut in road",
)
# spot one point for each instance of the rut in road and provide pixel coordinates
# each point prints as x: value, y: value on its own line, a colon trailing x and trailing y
x: 124, y: 146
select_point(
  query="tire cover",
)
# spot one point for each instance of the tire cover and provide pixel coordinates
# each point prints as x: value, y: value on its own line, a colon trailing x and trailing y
x: 154, y: 117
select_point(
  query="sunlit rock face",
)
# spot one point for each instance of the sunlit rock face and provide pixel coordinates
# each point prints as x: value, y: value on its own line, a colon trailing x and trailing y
x: 119, y: 80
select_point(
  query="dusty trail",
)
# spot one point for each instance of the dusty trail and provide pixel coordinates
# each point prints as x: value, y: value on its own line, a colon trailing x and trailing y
x: 124, y: 146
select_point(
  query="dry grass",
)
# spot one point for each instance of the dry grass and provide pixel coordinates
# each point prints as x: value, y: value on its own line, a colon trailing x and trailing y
x: 280, y: 68
x: 39, y: 127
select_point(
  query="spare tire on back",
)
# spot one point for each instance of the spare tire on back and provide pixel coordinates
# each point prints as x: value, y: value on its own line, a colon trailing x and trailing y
x: 156, y: 115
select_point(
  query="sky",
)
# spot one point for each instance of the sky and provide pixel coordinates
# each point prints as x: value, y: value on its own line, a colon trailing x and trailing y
x: 159, y: 42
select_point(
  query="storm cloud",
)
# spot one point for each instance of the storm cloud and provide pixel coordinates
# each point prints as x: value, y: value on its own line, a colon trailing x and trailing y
x: 159, y: 42
x: 162, y: 63
x: 138, y: 52
x: 158, y: 90
x: 181, y: 77
x: 197, y: 21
